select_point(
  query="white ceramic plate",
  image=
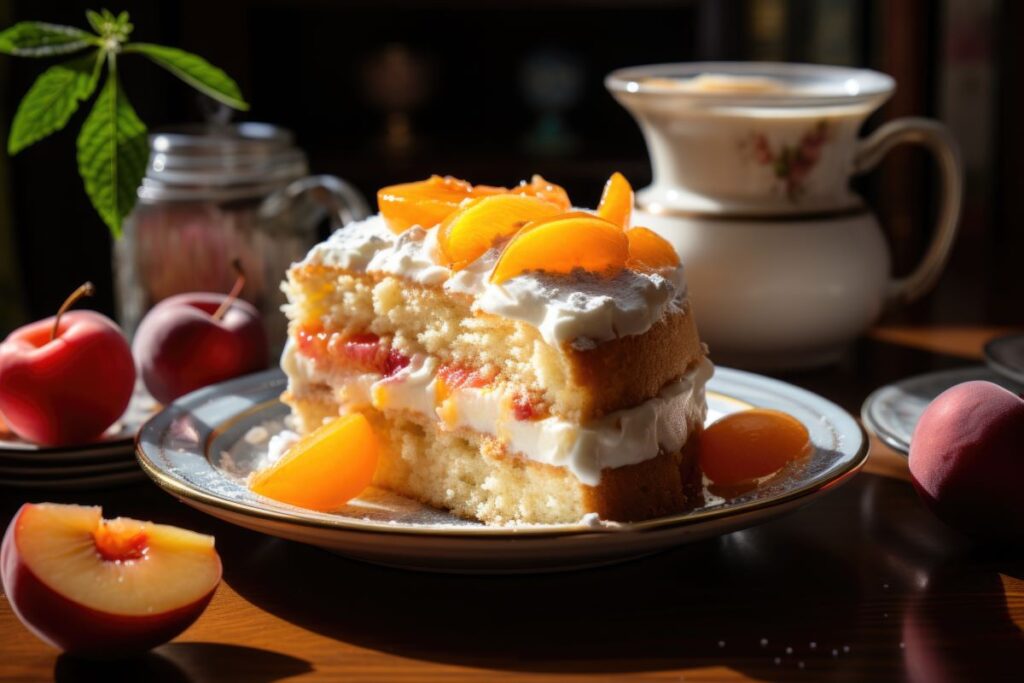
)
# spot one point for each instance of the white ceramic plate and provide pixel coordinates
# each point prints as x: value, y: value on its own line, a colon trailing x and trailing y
x: 892, y: 411
x: 183, y: 449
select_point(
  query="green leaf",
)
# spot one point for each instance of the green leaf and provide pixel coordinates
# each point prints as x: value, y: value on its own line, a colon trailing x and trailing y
x: 96, y: 20
x: 195, y: 71
x: 52, y: 99
x: 112, y: 154
x: 124, y: 26
x: 39, y: 39
x: 109, y: 26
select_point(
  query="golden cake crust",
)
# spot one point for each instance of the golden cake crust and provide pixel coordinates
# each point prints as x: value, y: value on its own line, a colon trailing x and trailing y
x: 627, y: 371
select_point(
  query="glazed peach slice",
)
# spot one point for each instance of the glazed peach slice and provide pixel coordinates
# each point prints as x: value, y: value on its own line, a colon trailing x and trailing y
x: 649, y: 251
x: 617, y: 201
x: 562, y: 244
x: 426, y: 202
x: 542, y: 189
x: 325, y: 469
x: 473, y: 229
x: 745, y: 446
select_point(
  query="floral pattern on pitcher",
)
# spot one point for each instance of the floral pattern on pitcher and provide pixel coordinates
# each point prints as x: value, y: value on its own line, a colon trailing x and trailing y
x: 791, y: 164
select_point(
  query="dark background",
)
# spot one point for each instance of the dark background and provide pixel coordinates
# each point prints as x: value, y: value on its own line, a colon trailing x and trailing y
x: 307, y: 65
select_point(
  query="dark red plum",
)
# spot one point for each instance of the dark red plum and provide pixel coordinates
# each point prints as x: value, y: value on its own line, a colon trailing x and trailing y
x: 181, y: 345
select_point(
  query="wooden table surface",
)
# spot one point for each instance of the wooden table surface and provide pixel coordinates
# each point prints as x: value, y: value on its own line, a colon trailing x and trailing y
x: 864, y: 585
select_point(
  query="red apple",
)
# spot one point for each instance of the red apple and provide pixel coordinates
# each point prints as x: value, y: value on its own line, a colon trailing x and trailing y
x: 191, y: 340
x: 104, y: 588
x: 66, y: 379
x: 967, y: 459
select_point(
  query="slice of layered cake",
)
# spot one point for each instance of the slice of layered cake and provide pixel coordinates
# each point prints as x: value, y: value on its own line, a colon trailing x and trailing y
x: 519, y: 360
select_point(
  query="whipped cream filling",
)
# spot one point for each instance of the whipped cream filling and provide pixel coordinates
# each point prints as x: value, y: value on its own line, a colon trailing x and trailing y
x: 580, y: 308
x: 625, y: 437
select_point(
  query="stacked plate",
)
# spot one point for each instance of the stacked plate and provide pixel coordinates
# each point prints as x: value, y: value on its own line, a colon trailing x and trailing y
x: 109, y: 461
x: 892, y: 411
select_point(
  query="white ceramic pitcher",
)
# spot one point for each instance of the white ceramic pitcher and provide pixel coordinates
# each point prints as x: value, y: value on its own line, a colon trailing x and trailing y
x: 752, y: 165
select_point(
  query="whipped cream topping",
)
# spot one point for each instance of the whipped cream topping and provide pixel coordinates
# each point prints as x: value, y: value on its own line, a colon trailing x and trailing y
x: 580, y: 308
x: 625, y: 437
x: 584, y: 306
x: 352, y: 249
x: 411, y: 255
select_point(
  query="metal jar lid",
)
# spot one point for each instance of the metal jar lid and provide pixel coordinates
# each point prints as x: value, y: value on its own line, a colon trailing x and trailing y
x: 220, y: 162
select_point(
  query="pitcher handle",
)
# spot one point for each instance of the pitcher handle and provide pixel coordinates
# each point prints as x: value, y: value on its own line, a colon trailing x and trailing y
x: 936, y: 138
x: 343, y: 202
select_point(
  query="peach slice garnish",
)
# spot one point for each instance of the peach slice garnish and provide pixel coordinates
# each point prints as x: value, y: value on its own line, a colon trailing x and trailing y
x: 617, y: 201
x: 649, y: 251
x: 748, y: 445
x: 562, y: 244
x: 426, y: 202
x: 325, y: 469
x: 542, y: 189
x: 474, y: 228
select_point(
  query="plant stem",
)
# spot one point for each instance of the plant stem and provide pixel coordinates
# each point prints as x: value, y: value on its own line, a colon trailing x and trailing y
x: 235, y: 291
x: 85, y: 290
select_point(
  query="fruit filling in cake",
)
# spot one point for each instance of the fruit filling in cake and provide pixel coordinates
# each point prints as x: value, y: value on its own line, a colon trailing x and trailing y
x: 518, y: 359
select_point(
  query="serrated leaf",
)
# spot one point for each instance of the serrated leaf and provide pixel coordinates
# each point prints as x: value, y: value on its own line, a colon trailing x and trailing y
x: 195, y: 71
x: 40, y: 39
x: 52, y: 99
x: 112, y: 154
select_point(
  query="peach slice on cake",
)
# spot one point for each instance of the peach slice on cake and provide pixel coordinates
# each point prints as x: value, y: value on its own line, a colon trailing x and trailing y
x: 562, y: 244
x: 325, y: 469
x: 617, y: 201
x: 475, y: 227
x: 426, y: 202
x: 542, y: 189
x: 104, y: 588
x: 650, y: 251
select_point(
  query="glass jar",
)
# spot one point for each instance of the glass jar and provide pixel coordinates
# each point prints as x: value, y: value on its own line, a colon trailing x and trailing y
x: 214, y: 193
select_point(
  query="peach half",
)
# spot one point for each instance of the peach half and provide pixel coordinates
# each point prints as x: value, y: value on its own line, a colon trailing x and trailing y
x: 104, y: 588
x: 742, y: 447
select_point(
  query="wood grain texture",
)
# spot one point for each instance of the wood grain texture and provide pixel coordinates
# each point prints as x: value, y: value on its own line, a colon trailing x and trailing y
x: 963, y: 341
x: 863, y: 585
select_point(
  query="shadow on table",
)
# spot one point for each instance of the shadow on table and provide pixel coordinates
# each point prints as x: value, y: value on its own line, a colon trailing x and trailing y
x: 185, y: 663
x: 824, y: 593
